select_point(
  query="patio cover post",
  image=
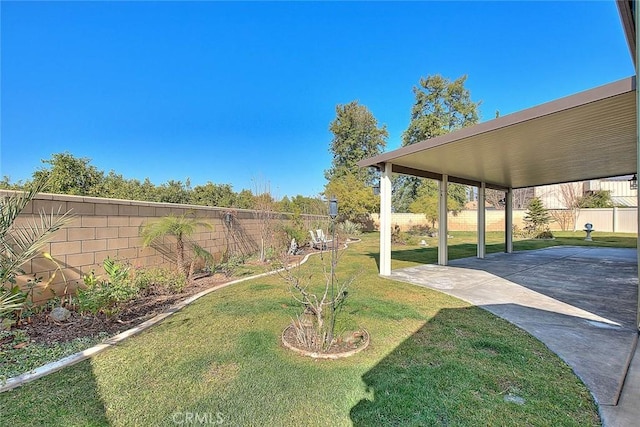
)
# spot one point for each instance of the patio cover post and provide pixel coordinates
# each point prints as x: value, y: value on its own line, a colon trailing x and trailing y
x: 481, y: 221
x: 508, y: 221
x: 385, y: 220
x: 442, y: 221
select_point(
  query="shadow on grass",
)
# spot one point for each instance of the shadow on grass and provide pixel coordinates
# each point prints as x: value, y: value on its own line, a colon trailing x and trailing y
x: 456, y: 370
x: 65, y: 398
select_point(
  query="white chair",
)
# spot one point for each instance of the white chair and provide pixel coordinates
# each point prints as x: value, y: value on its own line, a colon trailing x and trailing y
x: 323, y: 238
x: 315, y: 242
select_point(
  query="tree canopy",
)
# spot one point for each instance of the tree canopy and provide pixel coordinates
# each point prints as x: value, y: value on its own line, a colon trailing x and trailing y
x: 596, y: 199
x: 356, y: 136
x: 536, y: 217
x: 67, y: 174
x: 427, y: 201
x: 70, y: 175
x: 440, y: 106
x: 355, y: 199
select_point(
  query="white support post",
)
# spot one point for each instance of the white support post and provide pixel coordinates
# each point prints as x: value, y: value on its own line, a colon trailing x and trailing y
x: 508, y: 221
x: 615, y: 219
x: 442, y: 222
x: 481, y: 221
x: 385, y: 220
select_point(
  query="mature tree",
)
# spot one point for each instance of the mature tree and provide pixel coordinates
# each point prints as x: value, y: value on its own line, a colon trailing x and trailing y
x: 174, y: 192
x: 441, y: 106
x: 310, y: 205
x: 596, y: 199
x: 210, y: 194
x: 6, y: 184
x: 115, y: 186
x: 71, y: 175
x: 428, y: 198
x: 245, y: 200
x: 356, y: 136
x: 355, y: 199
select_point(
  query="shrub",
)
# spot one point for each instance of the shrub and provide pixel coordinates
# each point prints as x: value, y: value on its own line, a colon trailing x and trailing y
x: 105, y: 295
x: 231, y: 265
x: 22, y: 243
x: 421, y: 230
x: 350, y: 228
x: 396, y: 236
x: 547, y: 234
x: 159, y: 279
x: 293, y: 232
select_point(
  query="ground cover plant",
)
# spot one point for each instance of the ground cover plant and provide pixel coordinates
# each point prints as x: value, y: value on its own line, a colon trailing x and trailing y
x: 433, y: 360
x: 103, y: 307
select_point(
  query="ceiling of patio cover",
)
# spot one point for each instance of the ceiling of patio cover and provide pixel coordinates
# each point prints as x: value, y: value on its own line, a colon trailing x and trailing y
x: 589, y: 135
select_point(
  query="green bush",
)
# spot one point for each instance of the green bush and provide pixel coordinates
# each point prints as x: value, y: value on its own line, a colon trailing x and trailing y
x: 547, y: 234
x: 105, y: 295
x: 421, y: 230
x: 161, y: 279
x: 231, y: 265
x: 350, y: 228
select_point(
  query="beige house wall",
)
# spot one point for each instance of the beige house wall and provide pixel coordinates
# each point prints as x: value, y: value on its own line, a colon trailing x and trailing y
x: 110, y: 228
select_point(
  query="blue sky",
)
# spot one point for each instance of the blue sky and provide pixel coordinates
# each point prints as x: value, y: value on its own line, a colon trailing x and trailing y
x: 243, y: 93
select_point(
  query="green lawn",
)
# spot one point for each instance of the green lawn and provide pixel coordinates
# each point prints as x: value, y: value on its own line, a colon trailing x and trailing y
x: 433, y: 360
x: 463, y: 244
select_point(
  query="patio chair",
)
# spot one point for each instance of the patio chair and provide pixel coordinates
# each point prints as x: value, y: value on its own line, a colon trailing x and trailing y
x: 315, y: 242
x: 323, y: 238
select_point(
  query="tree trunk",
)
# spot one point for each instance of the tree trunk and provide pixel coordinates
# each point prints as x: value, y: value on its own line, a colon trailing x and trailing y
x: 180, y: 256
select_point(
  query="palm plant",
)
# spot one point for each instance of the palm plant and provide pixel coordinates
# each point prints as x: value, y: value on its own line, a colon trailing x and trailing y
x: 180, y: 227
x: 21, y: 243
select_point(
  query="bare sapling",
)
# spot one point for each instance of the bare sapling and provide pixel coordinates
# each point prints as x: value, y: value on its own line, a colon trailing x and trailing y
x: 315, y: 326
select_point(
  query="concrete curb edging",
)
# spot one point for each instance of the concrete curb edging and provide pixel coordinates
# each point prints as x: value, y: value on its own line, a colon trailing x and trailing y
x: 72, y: 359
x: 326, y: 356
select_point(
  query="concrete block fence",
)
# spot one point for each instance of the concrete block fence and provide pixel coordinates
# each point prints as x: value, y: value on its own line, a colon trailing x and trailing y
x: 617, y: 220
x: 105, y: 228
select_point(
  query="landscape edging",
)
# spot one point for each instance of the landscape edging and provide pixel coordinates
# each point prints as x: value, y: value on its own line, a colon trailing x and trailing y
x: 72, y: 359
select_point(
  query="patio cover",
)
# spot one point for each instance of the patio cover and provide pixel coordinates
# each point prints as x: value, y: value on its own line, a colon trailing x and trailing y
x: 589, y: 135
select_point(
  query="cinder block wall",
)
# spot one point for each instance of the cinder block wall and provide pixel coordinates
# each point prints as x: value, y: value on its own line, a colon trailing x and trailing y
x: 465, y: 220
x: 105, y: 228
x: 618, y: 220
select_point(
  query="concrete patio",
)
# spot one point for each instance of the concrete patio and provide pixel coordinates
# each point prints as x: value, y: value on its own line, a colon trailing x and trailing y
x: 580, y: 301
